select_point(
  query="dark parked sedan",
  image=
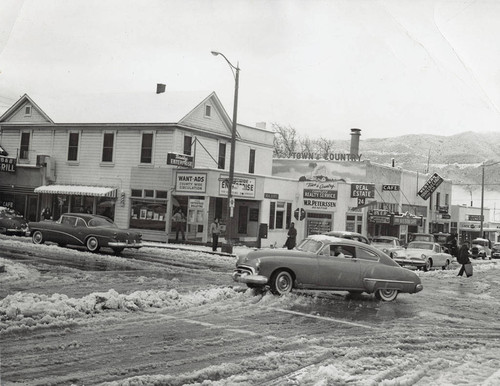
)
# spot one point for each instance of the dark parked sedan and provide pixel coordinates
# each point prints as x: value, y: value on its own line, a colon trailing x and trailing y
x: 87, y: 230
x: 12, y: 223
x: 318, y: 264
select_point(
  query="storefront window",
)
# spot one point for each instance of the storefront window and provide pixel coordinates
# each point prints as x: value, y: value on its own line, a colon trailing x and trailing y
x: 148, y: 214
x: 82, y: 204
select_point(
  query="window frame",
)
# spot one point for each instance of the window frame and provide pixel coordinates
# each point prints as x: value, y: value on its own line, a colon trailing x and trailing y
x: 28, y: 110
x: 221, y: 159
x: 251, y: 161
x: 141, y: 157
x: 104, y: 147
x: 187, y: 150
x: 24, y: 149
x: 207, y: 111
x: 71, y: 133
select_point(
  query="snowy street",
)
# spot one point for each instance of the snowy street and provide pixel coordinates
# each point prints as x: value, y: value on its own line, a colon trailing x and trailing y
x: 158, y: 316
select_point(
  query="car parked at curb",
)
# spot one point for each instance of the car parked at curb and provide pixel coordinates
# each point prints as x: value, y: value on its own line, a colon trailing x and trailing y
x: 12, y: 222
x: 495, y: 251
x: 316, y: 264
x: 387, y: 244
x: 349, y: 235
x: 82, y: 229
x: 480, y: 249
x: 423, y: 255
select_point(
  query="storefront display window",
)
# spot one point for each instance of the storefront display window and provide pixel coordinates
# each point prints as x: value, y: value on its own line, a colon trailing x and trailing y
x: 148, y: 213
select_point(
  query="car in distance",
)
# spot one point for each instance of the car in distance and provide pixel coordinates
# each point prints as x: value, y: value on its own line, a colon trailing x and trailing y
x: 12, y: 222
x: 421, y: 237
x: 349, y: 235
x: 423, y: 255
x: 480, y: 249
x: 91, y: 231
x: 387, y: 244
x: 313, y: 265
x: 495, y: 251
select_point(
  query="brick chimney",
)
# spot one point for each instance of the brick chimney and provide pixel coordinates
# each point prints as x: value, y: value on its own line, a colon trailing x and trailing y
x: 160, y: 88
x: 355, y: 134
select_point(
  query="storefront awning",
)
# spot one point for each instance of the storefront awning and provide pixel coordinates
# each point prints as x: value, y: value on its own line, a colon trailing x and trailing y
x: 77, y: 190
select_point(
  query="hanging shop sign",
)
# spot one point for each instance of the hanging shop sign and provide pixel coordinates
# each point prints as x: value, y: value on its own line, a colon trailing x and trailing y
x: 272, y: 196
x: 430, y: 186
x: 299, y: 214
x: 180, y: 160
x: 191, y: 182
x: 363, y: 190
x: 8, y: 164
x: 242, y: 187
x: 406, y: 220
x: 390, y: 188
x: 443, y: 209
x: 379, y: 216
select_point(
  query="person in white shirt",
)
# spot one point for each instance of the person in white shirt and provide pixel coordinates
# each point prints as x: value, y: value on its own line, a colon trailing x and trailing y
x: 215, y: 232
x: 338, y: 252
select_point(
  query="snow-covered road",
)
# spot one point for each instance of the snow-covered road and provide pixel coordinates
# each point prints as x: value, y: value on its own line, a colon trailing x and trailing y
x: 174, y: 317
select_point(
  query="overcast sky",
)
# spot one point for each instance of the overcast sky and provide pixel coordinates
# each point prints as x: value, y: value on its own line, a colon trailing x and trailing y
x: 388, y: 67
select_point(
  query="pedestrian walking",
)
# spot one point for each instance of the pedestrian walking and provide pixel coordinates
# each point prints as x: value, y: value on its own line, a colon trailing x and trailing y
x: 179, y: 219
x: 463, y: 258
x: 292, y: 237
x: 215, y: 232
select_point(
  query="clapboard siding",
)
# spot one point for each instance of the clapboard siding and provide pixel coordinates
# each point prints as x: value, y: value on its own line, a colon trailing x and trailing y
x: 19, y: 116
x: 215, y: 123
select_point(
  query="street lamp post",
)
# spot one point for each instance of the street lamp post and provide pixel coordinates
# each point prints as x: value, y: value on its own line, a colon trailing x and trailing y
x: 230, y: 202
x: 482, y: 193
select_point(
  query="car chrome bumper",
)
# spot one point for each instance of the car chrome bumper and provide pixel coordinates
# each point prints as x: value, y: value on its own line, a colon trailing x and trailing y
x: 247, y: 278
x: 414, y: 263
x: 122, y: 244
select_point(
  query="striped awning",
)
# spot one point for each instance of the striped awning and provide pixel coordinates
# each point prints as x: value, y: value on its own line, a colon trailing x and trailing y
x: 77, y: 190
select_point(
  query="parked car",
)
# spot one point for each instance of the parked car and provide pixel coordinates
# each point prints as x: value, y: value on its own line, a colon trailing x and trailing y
x: 495, y: 251
x: 423, y: 255
x: 87, y: 230
x: 387, y: 244
x: 12, y: 222
x: 349, y: 235
x: 314, y: 266
x: 480, y: 249
x: 443, y: 239
x: 421, y: 237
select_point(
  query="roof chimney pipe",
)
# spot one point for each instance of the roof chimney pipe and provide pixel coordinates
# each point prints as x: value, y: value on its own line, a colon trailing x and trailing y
x: 160, y: 88
x: 355, y: 134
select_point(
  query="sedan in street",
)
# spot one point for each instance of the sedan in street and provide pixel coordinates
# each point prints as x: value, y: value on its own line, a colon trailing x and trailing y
x: 387, y: 244
x: 12, y: 223
x: 87, y: 230
x: 322, y: 262
x: 423, y: 255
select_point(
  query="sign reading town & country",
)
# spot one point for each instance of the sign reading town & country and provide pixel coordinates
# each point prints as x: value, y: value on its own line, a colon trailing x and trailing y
x: 8, y: 164
x: 362, y: 190
x: 430, y: 186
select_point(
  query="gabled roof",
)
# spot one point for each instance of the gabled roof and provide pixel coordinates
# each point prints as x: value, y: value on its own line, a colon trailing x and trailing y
x: 168, y: 107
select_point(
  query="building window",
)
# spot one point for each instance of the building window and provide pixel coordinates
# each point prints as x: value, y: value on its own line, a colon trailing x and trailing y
x: 149, y: 193
x: 446, y: 199
x: 251, y: 162
x: 74, y: 139
x: 136, y: 193
x: 222, y: 156
x: 27, y: 111
x: 353, y: 222
x: 107, y: 147
x: 25, y: 146
x: 280, y: 215
x: 147, y: 148
x: 187, y: 144
x: 208, y: 111
x: 438, y: 199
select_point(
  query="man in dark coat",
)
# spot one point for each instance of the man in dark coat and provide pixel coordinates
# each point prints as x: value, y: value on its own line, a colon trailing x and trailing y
x: 292, y: 237
x: 463, y: 257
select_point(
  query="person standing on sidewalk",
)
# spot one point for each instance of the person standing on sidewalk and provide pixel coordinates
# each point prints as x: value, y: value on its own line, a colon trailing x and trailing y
x: 215, y: 232
x: 463, y: 257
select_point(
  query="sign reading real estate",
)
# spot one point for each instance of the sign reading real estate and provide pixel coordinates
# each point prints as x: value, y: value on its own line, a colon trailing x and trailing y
x: 242, y: 187
x: 363, y: 190
x: 180, y: 160
x: 430, y: 186
x: 191, y: 182
x: 8, y: 164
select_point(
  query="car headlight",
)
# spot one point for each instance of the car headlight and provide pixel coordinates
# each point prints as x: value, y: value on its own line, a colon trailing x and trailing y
x: 394, y: 254
x: 423, y: 256
x: 385, y: 250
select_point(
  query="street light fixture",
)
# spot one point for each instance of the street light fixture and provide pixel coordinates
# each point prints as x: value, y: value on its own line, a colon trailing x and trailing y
x: 230, y: 203
x: 482, y: 193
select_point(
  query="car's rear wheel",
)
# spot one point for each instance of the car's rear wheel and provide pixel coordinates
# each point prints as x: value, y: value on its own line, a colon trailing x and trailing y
x: 281, y: 283
x: 387, y: 295
x: 428, y: 265
x: 37, y: 237
x: 93, y: 244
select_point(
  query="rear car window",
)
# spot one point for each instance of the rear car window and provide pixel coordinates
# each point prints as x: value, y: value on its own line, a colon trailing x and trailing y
x: 365, y: 254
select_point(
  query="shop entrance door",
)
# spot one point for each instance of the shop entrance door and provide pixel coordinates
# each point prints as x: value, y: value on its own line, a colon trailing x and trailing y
x: 32, y: 208
x: 242, y: 220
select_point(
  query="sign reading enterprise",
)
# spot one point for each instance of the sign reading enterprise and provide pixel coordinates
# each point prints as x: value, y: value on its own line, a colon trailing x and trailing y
x: 325, y: 156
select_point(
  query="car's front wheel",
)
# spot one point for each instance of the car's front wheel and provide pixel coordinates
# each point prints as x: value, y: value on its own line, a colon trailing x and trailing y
x: 428, y: 265
x: 387, y: 295
x: 446, y: 264
x: 37, y: 237
x: 93, y: 244
x: 281, y: 283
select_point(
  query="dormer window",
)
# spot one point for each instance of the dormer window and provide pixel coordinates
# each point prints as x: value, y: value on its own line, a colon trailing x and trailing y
x: 27, y: 111
x: 208, y: 111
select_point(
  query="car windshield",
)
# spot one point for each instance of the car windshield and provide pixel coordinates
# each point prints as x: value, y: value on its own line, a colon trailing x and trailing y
x: 483, y: 243
x: 420, y: 245
x: 310, y: 245
x: 101, y: 222
x: 382, y: 241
